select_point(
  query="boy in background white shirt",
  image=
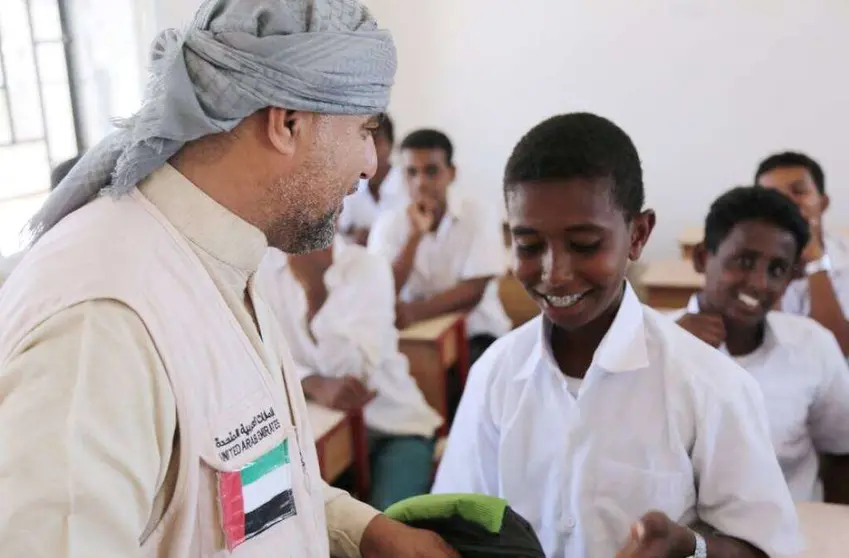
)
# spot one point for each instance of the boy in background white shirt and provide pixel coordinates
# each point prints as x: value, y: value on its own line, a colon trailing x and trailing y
x: 601, y: 410
x: 336, y: 310
x: 753, y: 242
x: 446, y: 250
x: 822, y: 292
x: 382, y: 192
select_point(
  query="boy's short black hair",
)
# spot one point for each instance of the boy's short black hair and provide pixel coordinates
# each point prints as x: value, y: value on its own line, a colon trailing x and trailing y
x: 752, y: 203
x: 386, y: 128
x: 430, y: 139
x: 793, y: 159
x: 579, y: 145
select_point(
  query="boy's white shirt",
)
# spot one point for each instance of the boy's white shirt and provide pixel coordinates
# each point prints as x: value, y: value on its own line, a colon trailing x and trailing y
x: 360, y: 210
x: 467, y: 244
x: 805, y: 382
x: 354, y: 334
x: 661, y: 421
x: 797, y: 298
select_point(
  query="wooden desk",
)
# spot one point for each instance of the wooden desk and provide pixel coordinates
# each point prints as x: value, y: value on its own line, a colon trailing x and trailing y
x: 670, y: 283
x: 688, y: 239
x: 433, y: 347
x: 826, y: 529
x: 340, y: 441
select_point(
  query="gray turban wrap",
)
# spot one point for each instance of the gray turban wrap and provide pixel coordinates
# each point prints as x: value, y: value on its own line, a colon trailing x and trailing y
x: 237, y: 57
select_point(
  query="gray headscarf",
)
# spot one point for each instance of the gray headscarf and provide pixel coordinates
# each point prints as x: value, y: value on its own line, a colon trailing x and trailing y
x: 237, y: 57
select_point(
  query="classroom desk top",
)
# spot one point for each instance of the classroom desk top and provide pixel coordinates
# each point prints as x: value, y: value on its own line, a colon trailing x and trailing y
x: 323, y: 420
x: 671, y: 273
x: 826, y: 529
x: 430, y: 330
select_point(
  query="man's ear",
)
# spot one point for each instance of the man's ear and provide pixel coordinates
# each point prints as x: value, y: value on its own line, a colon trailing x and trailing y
x: 641, y: 227
x: 700, y: 255
x: 283, y: 127
x: 826, y: 201
x: 452, y: 170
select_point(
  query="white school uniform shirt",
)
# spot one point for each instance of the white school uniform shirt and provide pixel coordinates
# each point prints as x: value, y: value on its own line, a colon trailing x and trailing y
x: 797, y: 299
x: 661, y: 421
x: 354, y: 334
x: 805, y: 382
x: 360, y: 210
x: 467, y: 244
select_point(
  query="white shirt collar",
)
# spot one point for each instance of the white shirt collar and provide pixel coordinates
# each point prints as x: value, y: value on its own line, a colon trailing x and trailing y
x: 623, y: 348
x: 208, y: 224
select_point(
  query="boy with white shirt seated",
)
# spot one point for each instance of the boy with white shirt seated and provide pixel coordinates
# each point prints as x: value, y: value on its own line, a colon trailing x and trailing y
x: 336, y: 310
x: 382, y: 192
x: 822, y: 292
x: 753, y: 242
x: 446, y: 250
x: 610, y: 429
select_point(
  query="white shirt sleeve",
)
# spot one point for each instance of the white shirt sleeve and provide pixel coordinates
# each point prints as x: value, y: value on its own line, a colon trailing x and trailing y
x: 356, y: 319
x: 486, y: 251
x: 470, y: 462
x: 87, y: 423
x: 829, y: 414
x: 387, y: 237
x: 741, y: 489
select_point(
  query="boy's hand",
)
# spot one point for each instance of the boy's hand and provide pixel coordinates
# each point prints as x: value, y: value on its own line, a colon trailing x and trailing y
x: 707, y: 327
x: 421, y: 217
x: 386, y: 538
x: 657, y: 536
x: 814, y: 250
x: 343, y: 394
x: 406, y: 314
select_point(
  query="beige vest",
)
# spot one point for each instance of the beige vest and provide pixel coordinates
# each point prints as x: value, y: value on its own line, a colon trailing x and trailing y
x: 232, y: 403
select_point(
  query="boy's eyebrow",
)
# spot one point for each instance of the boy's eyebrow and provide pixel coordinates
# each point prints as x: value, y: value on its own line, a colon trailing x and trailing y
x: 582, y: 227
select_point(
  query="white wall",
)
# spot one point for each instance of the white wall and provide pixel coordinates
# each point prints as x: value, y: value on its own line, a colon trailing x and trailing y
x: 705, y: 89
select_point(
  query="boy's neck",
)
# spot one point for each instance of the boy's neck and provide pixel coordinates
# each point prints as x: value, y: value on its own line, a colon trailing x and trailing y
x: 741, y: 340
x: 574, y: 350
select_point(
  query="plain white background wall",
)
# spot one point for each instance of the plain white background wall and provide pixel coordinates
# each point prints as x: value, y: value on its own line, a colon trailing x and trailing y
x: 705, y: 89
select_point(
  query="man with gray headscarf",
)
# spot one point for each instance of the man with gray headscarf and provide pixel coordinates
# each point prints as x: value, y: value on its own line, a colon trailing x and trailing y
x: 143, y: 411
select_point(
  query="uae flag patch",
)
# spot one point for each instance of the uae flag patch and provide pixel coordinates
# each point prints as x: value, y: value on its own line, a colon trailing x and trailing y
x: 257, y: 496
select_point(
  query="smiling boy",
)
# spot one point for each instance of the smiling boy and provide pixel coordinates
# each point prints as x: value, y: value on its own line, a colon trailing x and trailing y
x: 599, y: 411
x: 754, y: 240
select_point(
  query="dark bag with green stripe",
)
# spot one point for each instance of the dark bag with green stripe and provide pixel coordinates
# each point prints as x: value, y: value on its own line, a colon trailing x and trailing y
x: 476, y: 526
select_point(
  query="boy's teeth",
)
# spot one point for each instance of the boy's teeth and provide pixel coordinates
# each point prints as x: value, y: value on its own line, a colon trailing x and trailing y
x: 563, y: 301
x: 749, y: 301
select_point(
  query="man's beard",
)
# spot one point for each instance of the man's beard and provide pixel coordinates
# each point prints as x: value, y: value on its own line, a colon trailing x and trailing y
x: 299, y: 236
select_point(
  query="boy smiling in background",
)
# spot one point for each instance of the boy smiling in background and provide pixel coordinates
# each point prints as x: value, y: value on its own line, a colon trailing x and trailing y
x: 754, y: 240
x: 599, y: 411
